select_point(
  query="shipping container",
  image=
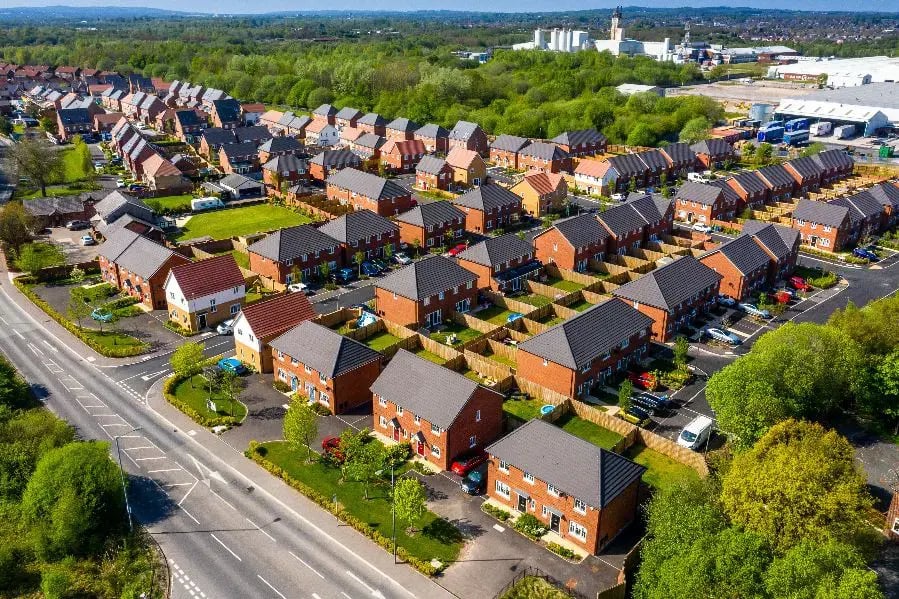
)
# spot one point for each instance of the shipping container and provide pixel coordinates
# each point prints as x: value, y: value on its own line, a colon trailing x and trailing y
x: 794, y: 138
x: 772, y: 135
x: 796, y: 125
x: 821, y: 128
x: 844, y: 131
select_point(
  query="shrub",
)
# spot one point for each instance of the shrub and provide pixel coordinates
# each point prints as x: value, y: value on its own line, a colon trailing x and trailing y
x: 500, y: 514
x: 281, y: 386
x: 562, y: 551
x: 399, y: 453
x: 530, y: 526
x: 177, y: 328
x: 320, y: 409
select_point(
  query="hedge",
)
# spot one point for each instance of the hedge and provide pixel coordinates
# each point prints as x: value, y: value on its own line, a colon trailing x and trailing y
x: 177, y: 328
x: 385, y: 542
x: 110, y: 352
x: 832, y: 257
x: 168, y: 391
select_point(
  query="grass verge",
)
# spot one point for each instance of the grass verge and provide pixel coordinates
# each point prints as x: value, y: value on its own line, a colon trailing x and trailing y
x: 246, y: 220
x: 192, y: 401
x: 662, y: 472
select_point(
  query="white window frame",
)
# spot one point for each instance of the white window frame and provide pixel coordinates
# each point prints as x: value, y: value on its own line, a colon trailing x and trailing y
x: 577, y: 530
x: 503, y: 467
x: 527, y: 477
x: 553, y: 490
x: 579, y: 506
x: 502, y: 489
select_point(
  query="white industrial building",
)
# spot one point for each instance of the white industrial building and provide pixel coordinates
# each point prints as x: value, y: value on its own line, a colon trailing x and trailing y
x: 635, y: 88
x: 557, y: 40
x: 870, y: 108
x: 841, y: 72
x: 618, y: 44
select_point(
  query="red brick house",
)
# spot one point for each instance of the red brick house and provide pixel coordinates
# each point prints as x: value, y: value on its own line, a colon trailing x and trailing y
x: 704, y: 203
x: 628, y: 167
x: 366, y: 191
x: 779, y: 182
x: 283, y: 170
x: 241, y: 158
x: 325, y: 163
x: 368, y: 146
x: 807, y: 174
x: 138, y: 266
x: 347, y: 118
x: 779, y: 242
x: 835, y: 165
x: 301, y: 250
x: 73, y: 121
x: 821, y: 225
x: 572, y: 242
x: 626, y: 228
x: 279, y: 146
x: 502, y: 263
x: 372, y: 123
x: 573, y: 357
x: 362, y: 231
x: 489, y: 207
x: 865, y: 215
x: 750, y: 188
x: 712, y: 153
x: 541, y: 193
x: 433, y: 173
x: 468, y: 136
x: 544, y: 157
x: 742, y: 264
x: 505, y: 148
x: 892, y: 519
x: 401, y: 156
x: 326, y: 113
x: 188, y: 125
x: 887, y: 194
x: 259, y: 323
x: 583, y: 142
x: 435, y: 138
x: 672, y: 295
x: 226, y: 113
x: 584, y: 493
x: 440, y: 412
x: 430, y: 225
x: 681, y: 160
x: 400, y: 129
x: 655, y: 165
x: 326, y: 367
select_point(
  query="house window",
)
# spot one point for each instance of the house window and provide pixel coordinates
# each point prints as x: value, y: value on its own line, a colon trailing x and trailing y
x: 235, y: 308
x: 469, y: 284
x: 322, y: 378
x: 426, y: 301
x: 282, y: 375
x: 896, y: 525
x: 435, y: 451
x: 580, y: 506
x: 545, y: 512
x: 324, y: 398
x: 827, y: 228
x: 625, y: 343
x: 435, y: 429
x: 382, y: 421
x: 382, y: 402
x: 306, y: 368
x: 399, y: 411
x: 504, y: 466
x: 528, y: 477
x: 472, y: 441
x: 417, y: 419
x: 280, y: 356
x: 553, y: 491
x: 502, y: 489
x: 577, y: 531
x: 294, y: 361
x: 212, y: 306
x: 477, y: 416
x: 440, y: 295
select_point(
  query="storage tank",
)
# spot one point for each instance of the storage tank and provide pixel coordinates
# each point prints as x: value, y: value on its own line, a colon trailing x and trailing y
x: 761, y: 112
x: 554, y: 39
x: 539, y: 41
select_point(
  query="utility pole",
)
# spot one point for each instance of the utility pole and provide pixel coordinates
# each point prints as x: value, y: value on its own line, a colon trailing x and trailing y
x: 122, y: 477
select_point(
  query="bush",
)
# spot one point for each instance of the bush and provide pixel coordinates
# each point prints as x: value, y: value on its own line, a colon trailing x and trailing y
x: 177, y: 328
x: 320, y: 409
x: 281, y: 386
x: 500, y: 514
x: 399, y: 453
x: 562, y: 551
x: 530, y: 526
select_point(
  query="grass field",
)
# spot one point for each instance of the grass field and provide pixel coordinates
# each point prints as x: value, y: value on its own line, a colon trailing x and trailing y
x: 525, y: 409
x: 71, y: 162
x: 53, y: 190
x: 436, y: 538
x: 247, y: 220
x: 662, y: 472
x: 588, y: 431
x: 178, y: 203
x: 113, y: 339
x: 534, y: 299
x: 381, y: 341
x: 195, y: 396
x: 568, y: 286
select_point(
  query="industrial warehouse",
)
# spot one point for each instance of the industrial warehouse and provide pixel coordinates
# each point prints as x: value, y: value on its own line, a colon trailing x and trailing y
x: 870, y: 109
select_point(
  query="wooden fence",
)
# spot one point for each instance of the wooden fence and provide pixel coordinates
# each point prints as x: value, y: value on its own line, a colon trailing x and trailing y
x: 338, y: 317
x: 508, y: 303
x: 528, y: 326
x: 555, y: 272
x: 665, y: 446
x: 548, y: 291
x: 444, y: 351
x: 487, y: 368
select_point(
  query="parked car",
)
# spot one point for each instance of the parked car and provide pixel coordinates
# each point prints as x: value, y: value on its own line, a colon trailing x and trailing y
x: 369, y: 268
x: 77, y: 225
x: 643, y: 380
x: 799, y: 284
x: 382, y: 266
x: 343, y: 275
x: 120, y: 183
x: 636, y: 415
x: 701, y: 228
x: 726, y: 300
x: 865, y: 253
x: 102, y: 315
x: 401, y: 258
x: 299, y: 288
x: 754, y: 310
x: 466, y: 463
x: 225, y: 328
x: 722, y: 336
x: 331, y: 446
x: 476, y: 481
x: 650, y: 403
x: 88, y: 240
x: 781, y: 296
x: 232, y: 365
x: 458, y: 249
x: 618, y: 197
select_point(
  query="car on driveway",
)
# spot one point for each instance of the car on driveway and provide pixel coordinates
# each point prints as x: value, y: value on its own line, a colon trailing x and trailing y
x: 102, y: 315
x: 77, y: 225
x: 468, y: 462
x: 754, y: 310
x: 88, y: 240
x: 120, y: 183
x: 726, y: 301
x: 401, y: 258
x: 799, y: 284
x: 701, y: 228
x: 643, y: 380
x: 650, y: 403
x: 458, y: 249
x: 343, y: 275
x: 781, y: 296
x: 370, y: 269
x: 476, y: 481
x: 865, y: 253
x: 722, y: 336
x: 636, y: 415
x: 299, y: 288
x: 232, y: 365
x: 226, y: 328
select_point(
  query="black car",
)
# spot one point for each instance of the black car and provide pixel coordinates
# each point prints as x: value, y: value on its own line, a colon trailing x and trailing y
x: 476, y: 481
x: 77, y: 225
x: 651, y: 403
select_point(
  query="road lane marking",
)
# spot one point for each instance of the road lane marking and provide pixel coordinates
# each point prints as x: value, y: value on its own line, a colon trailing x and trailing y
x: 18, y: 334
x: 50, y: 345
x: 136, y: 448
x: 228, y: 549
x: 269, y: 585
x: 345, y: 595
x: 188, y: 492
x: 499, y: 528
x: 153, y: 375
x: 375, y: 592
x: 256, y: 526
x: 314, y: 571
x: 145, y: 459
x: 163, y: 470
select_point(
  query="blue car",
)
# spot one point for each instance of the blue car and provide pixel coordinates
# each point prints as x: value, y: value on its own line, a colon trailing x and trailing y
x: 344, y: 275
x: 865, y: 253
x: 102, y: 315
x: 370, y: 269
x: 232, y: 365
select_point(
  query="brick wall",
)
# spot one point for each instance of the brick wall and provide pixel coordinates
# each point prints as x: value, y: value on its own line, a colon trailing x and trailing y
x: 407, y: 312
x: 344, y: 392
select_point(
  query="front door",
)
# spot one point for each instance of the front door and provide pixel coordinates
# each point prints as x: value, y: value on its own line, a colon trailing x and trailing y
x: 434, y: 318
x: 522, y: 504
x: 516, y: 284
x: 420, y: 450
x: 396, y: 434
x: 554, y: 521
x: 294, y: 383
x: 201, y: 321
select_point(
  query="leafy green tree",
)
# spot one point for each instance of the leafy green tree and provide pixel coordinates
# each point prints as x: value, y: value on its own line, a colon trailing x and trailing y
x: 15, y: 393
x: 388, y: 252
x: 358, y: 259
x: 6, y: 127
x: 25, y: 438
x: 642, y: 135
x: 625, y: 390
x: 324, y: 271
x: 884, y: 398
x: 697, y: 129
x: 812, y: 149
x: 409, y: 500
x: 798, y: 482
x: 875, y: 327
x: 364, y: 464
x: 764, y: 154
x: 300, y: 426
x: 15, y: 226
x: 48, y: 125
x: 73, y: 501
x: 813, y: 570
x: 681, y: 351
x: 79, y: 306
x: 36, y: 256
x: 187, y: 360
x: 37, y: 160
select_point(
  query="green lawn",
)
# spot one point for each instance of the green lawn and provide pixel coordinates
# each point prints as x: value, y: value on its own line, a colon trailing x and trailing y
x: 247, y: 220
x: 568, y: 286
x: 525, y: 409
x: 72, y: 166
x: 501, y: 359
x: 534, y: 587
x: 177, y: 203
x: 534, y: 299
x: 436, y: 538
x: 580, y: 305
x: 54, y: 190
x: 381, y: 341
x: 662, y: 471
x: 429, y: 356
x: 463, y: 334
x: 588, y: 431
x: 196, y: 395
x: 494, y: 314
x: 550, y: 319
x: 473, y: 375
x: 112, y: 339
x: 242, y: 258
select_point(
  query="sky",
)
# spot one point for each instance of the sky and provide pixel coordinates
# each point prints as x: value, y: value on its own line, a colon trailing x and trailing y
x: 243, y: 7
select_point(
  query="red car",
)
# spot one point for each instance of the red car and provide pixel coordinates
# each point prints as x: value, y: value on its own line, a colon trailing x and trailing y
x: 458, y: 249
x: 468, y: 462
x: 331, y: 445
x: 643, y: 380
x: 780, y: 296
x: 799, y: 284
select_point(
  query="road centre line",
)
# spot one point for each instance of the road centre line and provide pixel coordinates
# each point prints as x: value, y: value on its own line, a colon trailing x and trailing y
x: 228, y: 549
x: 163, y: 470
x: 316, y: 572
x: 269, y: 585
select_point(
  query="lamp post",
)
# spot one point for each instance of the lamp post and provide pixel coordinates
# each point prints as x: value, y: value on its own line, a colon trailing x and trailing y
x: 122, y: 476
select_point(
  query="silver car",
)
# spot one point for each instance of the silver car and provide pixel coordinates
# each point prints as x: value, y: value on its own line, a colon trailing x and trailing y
x: 722, y: 336
x: 225, y: 328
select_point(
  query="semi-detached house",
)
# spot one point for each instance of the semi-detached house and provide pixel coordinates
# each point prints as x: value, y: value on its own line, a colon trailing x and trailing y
x: 502, y: 263
x: 571, y: 243
x: 400, y: 129
x: 779, y: 242
x: 750, y: 188
x: 366, y: 191
x: 544, y: 157
x: 442, y: 413
x: 822, y: 225
x: 505, y: 148
x: 582, y: 142
x: 704, y: 202
x: 258, y: 324
x: 435, y: 138
x: 489, y: 207
x: 806, y: 171
x: 865, y: 215
x: 468, y: 136
x: 362, y: 231
x: 295, y: 254
x: 432, y: 172
x: 887, y: 194
x: 541, y: 192
x: 204, y: 293
x: 778, y: 181
x: 430, y: 225
x: 584, y: 493
x: 742, y: 264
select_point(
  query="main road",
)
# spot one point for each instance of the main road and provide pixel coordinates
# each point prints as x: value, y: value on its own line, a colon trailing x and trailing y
x: 228, y: 528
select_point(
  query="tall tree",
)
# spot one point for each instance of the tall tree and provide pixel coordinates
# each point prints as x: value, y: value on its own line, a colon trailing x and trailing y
x: 409, y: 500
x: 697, y: 129
x: 39, y: 161
x: 815, y: 570
x: 300, y: 426
x: 79, y: 306
x: 363, y: 465
x: 187, y: 360
x: 15, y: 226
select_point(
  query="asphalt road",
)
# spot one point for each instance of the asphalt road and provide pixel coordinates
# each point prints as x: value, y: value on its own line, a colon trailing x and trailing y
x: 228, y: 528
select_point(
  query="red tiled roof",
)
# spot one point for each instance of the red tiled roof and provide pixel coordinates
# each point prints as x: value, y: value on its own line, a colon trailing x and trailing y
x: 209, y: 276
x: 460, y: 157
x: 253, y: 107
x: 275, y: 316
x: 592, y: 168
x: 406, y: 147
x: 543, y: 183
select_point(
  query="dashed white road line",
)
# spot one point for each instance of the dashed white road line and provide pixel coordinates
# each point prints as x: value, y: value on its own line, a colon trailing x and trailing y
x: 257, y: 527
x: 316, y: 572
x: 280, y: 594
x: 228, y: 549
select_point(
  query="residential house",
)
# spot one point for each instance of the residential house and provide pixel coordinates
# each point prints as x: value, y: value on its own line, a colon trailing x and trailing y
x: 204, y: 293
x: 580, y: 491
x: 328, y: 162
x: 57, y: 211
x: 241, y: 158
x: 835, y: 164
x: 163, y: 177
x: 570, y: 243
x: 489, y: 207
x: 502, y: 263
x: 806, y: 172
x: 402, y: 156
x: 468, y: 136
x: 544, y: 157
x: 435, y: 138
x: 363, y: 231
x: 238, y: 187
x: 257, y: 134
x: 742, y: 264
x: 704, y: 202
x: 779, y: 242
x: 213, y: 138
x: 656, y: 165
x: 681, y: 160
x: 346, y: 118
x: 400, y: 129
x: 656, y: 210
x: 822, y: 225
x: 750, y: 188
x: 325, y: 113
x: 596, y: 177
x: 286, y: 169
x: 888, y: 195
x: 469, y: 169
x: 541, y: 193
x: 626, y: 228
x: 139, y: 83
x: 368, y: 146
x: 628, y: 167
x: 226, y: 114
x: 279, y: 146
x: 188, y: 125
x: 212, y: 95
x: 252, y: 112
x: 586, y: 350
x: 865, y: 215
x: 119, y: 210
x: 426, y: 292
x: 328, y: 368
x: 431, y: 225
x: 505, y: 148
x: 372, y: 123
x: 367, y: 191
x: 712, y: 153
x: 320, y: 132
x: 73, y: 121
x: 432, y: 172
x: 672, y: 295
x: 778, y: 181
x: 295, y: 254
x: 583, y: 142
x: 138, y: 266
x: 442, y: 413
x: 259, y: 324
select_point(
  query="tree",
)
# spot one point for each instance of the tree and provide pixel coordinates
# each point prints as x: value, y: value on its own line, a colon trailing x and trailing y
x: 73, y: 500
x: 641, y: 135
x: 875, y: 327
x: 300, y: 426
x: 681, y: 351
x: 79, y: 305
x: 697, y: 129
x: 814, y: 570
x: 85, y: 158
x: 48, y: 125
x: 231, y: 385
x: 798, y: 482
x: 812, y: 149
x: 363, y: 465
x: 324, y: 271
x: 624, y: 394
x: 76, y: 275
x: 358, y: 259
x: 39, y: 161
x: 296, y: 275
x: 764, y: 153
x: 36, y: 256
x: 6, y: 127
x: 885, y: 395
x: 15, y: 226
x: 187, y: 360
x: 409, y: 500
x: 388, y: 252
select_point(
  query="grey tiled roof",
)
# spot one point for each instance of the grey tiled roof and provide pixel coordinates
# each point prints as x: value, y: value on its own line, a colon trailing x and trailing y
x: 861, y: 206
x: 430, y: 164
x: 509, y: 143
x: 228, y: 110
x: 358, y: 225
x: 833, y: 159
x: 647, y: 208
x: 579, y: 137
x: 822, y: 213
x: 53, y: 205
x: 286, y: 163
x: 628, y: 165
x: 885, y: 193
x: 744, y: 253
x: 729, y: 192
x: 288, y: 244
x: 431, y: 214
x: 325, y: 110
x: 426, y: 389
x: 621, y: 219
x: 582, y: 230
x: 324, y: 350
x: 544, y: 151
x: 432, y: 130
x: 216, y: 136
x: 240, y: 149
x: 712, y: 147
x: 367, y: 184
x: 776, y: 175
x: 281, y: 144
x: 370, y: 140
x: 402, y: 124
x: 670, y: 285
x: 572, y: 465
x: 188, y: 118
x: 116, y: 243
x: 653, y: 159
x: 117, y: 203
x: 777, y: 239
x: 750, y: 182
x: 75, y: 116
x: 372, y: 118
x: 339, y: 158
x: 256, y: 134
x: 463, y: 131
x: 679, y: 154
x: 806, y: 166
x: 498, y: 250
x: 144, y: 257
x: 488, y: 197
x: 348, y: 113
x: 426, y: 278
x: 238, y: 181
x: 701, y: 193
x: 589, y: 335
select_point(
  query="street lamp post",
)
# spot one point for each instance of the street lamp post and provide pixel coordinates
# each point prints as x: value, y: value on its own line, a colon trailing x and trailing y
x: 122, y: 476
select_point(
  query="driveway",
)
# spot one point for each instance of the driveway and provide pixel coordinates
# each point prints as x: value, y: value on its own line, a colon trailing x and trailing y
x: 265, y: 413
x: 70, y: 244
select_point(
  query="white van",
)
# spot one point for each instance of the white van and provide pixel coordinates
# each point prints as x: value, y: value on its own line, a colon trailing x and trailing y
x: 704, y: 177
x: 696, y: 433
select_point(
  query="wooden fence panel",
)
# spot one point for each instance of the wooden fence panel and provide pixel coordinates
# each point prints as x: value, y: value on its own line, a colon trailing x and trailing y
x: 545, y: 290
x: 506, y: 351
x: 685, y: 456
x: 595, y: 298
x: 508, y: 303
x: 338, y: 317
x: 363, y: 333
x: 486, y: 367
x: 554, y: 271
x: 444, y: 351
